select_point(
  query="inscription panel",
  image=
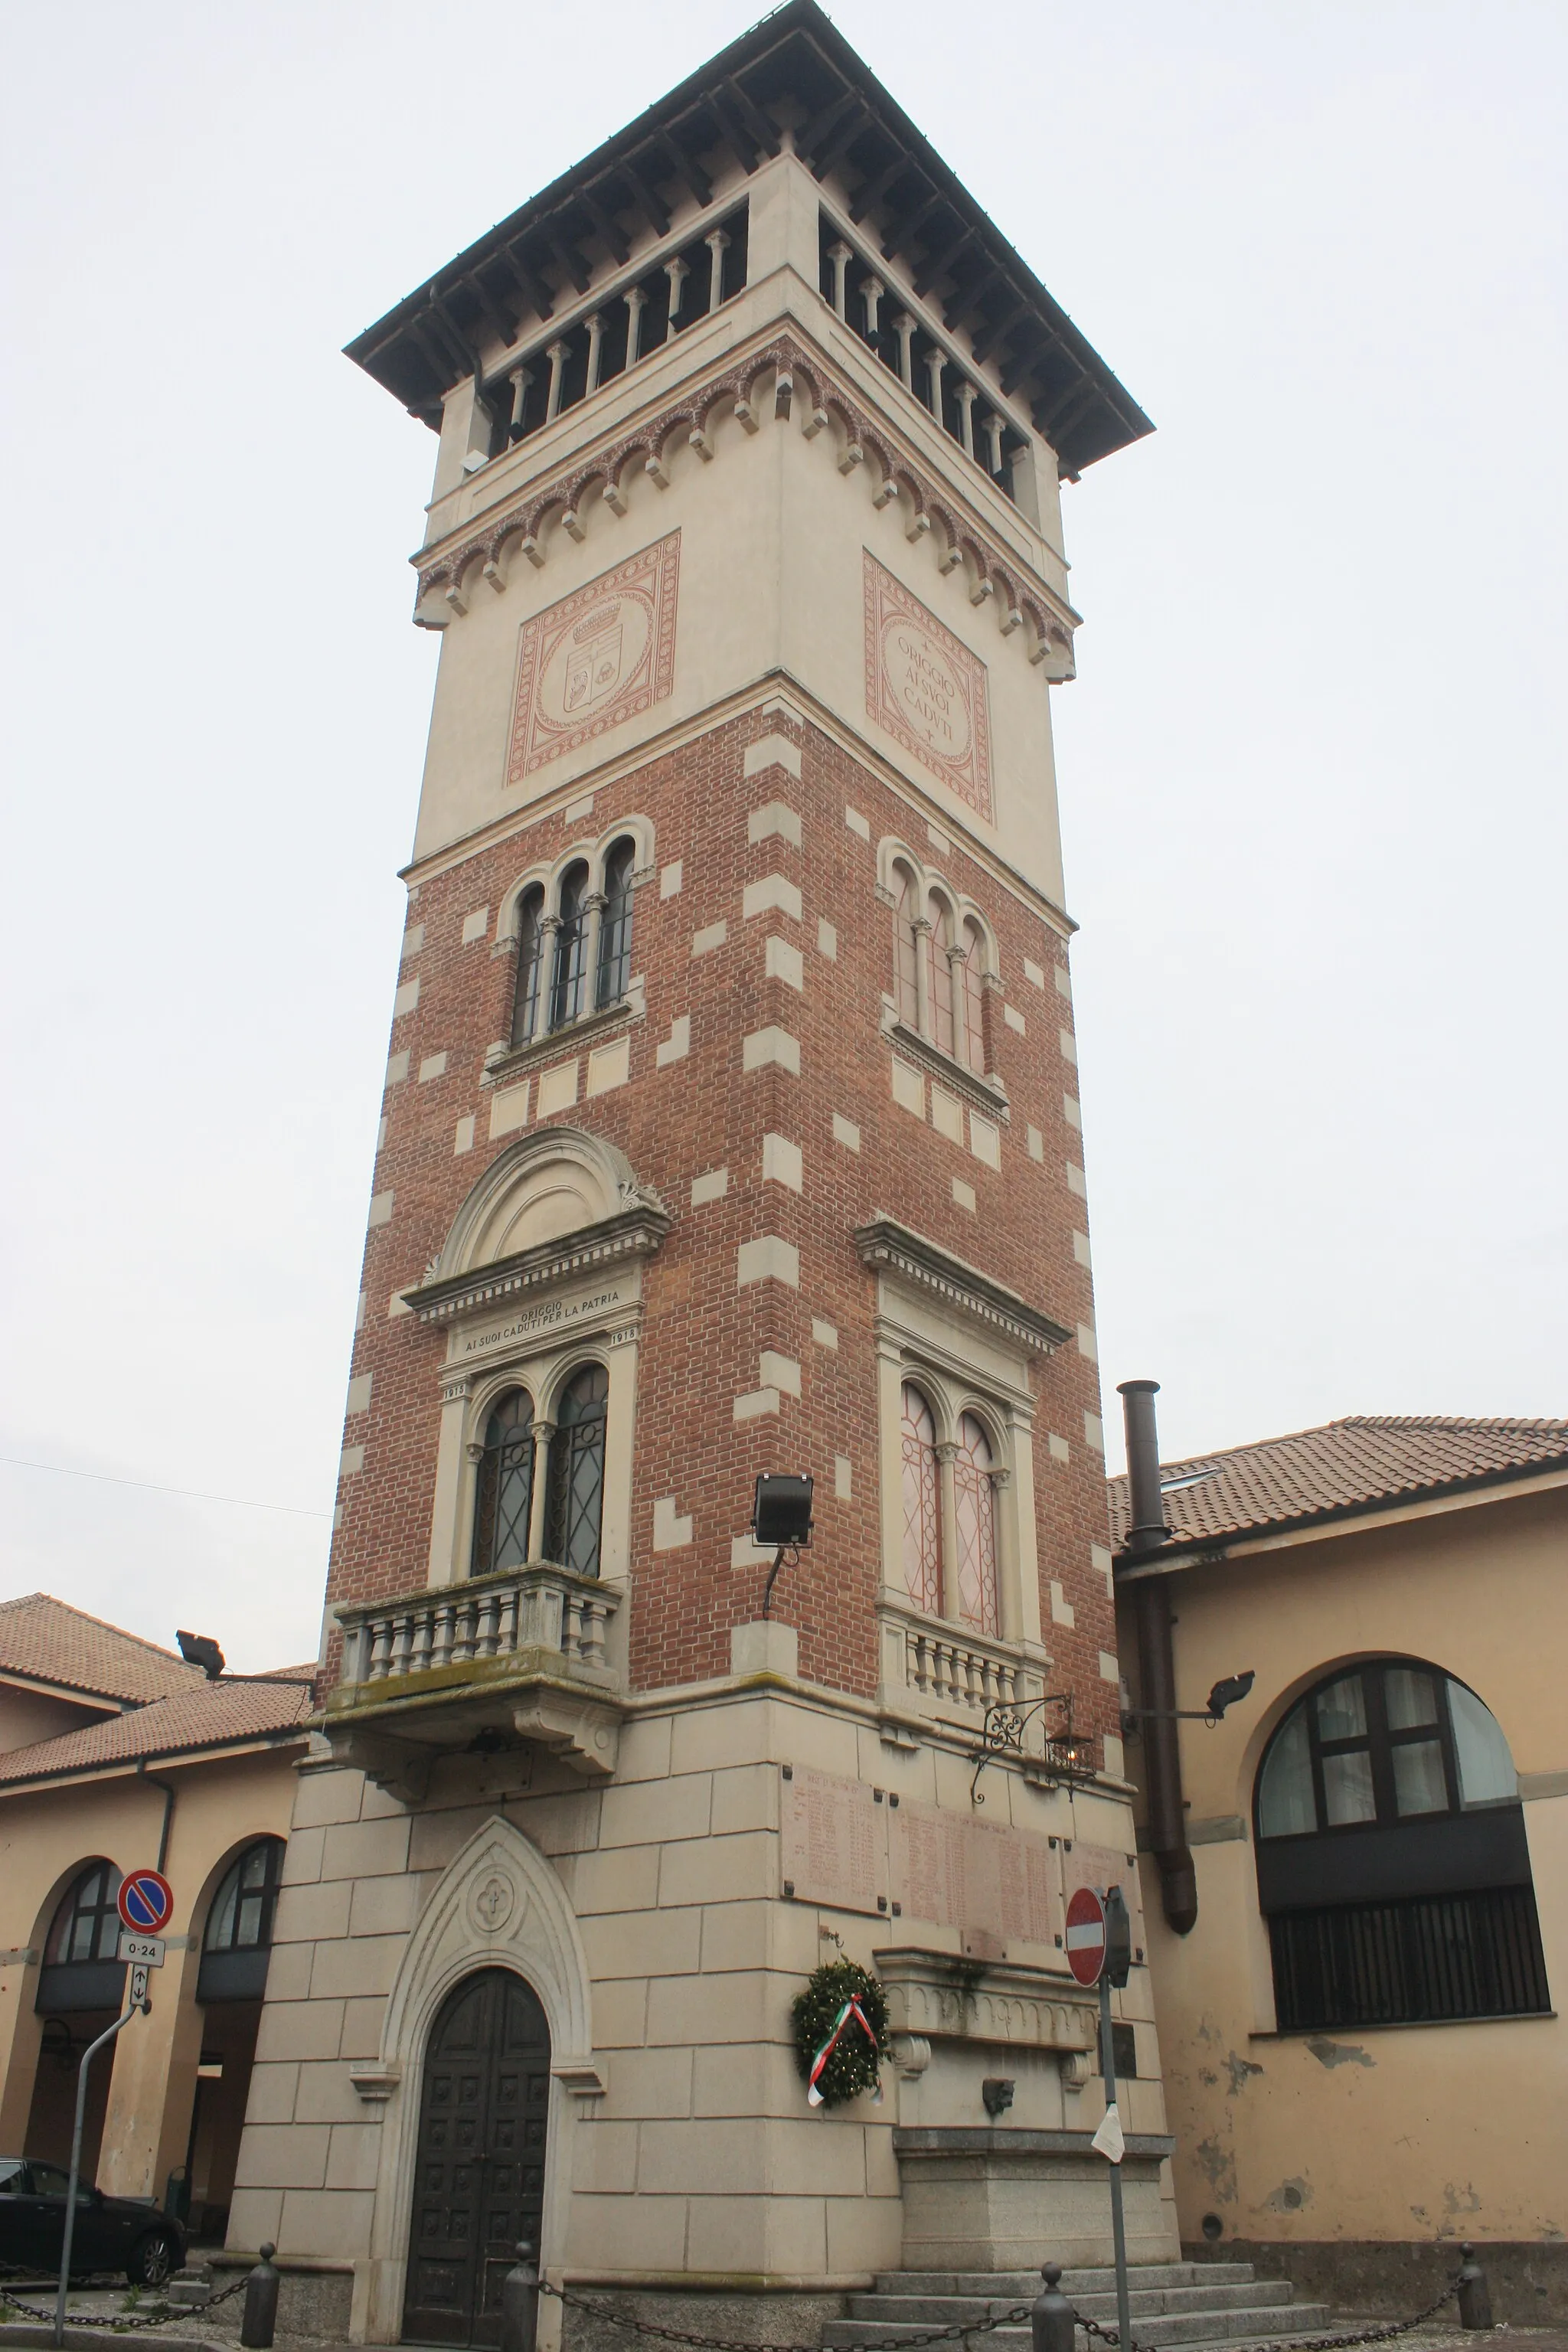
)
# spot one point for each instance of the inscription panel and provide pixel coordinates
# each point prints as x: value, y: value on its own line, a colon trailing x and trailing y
x: 927, y: 688
x: 602, y: 655
x: 834, y: 1842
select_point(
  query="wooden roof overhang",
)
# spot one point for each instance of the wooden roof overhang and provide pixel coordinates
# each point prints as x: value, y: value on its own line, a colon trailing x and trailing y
x: 792, y: 70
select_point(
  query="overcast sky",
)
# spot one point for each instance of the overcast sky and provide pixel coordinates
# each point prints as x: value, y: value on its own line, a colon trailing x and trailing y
x: 1311, y: 771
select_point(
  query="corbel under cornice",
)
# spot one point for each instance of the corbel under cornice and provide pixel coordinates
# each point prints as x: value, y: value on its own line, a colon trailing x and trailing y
x: 932, y: 511
x: 887, y: 1247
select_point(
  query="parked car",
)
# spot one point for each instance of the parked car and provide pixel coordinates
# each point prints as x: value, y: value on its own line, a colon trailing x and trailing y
x: 112, y: 2233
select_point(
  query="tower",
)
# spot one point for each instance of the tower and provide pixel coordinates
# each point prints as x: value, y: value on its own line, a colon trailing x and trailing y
x: 731, y: 1128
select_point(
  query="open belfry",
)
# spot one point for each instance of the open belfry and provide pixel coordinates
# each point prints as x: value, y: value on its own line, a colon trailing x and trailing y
x: 731, y: 1128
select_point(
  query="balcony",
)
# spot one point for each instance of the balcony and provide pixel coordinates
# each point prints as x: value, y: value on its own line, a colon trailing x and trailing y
x: 518, y: 1658
x: 943, y: 1672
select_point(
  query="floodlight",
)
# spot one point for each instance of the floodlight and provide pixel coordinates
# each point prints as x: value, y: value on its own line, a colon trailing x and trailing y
x: 1227, y: 1691
x: 201, y: 1650
x: 781, y: 1515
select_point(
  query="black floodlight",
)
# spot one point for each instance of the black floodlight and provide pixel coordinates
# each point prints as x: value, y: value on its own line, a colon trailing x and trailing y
x: 781, y: 1515
x: 1227, y: 1691
x: 201, y: 1650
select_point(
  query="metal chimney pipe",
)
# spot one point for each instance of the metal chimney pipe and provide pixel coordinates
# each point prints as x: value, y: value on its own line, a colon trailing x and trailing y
x: 1146, y: 1526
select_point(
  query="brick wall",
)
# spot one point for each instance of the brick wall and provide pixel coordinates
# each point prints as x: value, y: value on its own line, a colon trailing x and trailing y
x: 703, y: 1332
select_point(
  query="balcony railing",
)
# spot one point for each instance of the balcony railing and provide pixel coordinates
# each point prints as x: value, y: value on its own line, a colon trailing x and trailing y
x: 523, y: 1655
x: 932, y: 1668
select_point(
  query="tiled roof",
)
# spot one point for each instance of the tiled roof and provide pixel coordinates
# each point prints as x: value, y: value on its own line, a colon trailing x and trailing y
x: 1355, y: 1463
x: 42, y: 1639
x: 210, y: 1715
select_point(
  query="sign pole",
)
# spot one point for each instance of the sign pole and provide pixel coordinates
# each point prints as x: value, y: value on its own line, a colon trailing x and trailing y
x: 1118, y: 2219
x: 88, y: 2056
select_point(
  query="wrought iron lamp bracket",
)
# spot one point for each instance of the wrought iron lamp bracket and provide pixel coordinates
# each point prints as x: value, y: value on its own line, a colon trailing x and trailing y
x: 1002, y: 1734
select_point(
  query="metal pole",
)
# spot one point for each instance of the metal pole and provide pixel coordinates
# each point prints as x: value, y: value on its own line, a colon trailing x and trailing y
x: 88, y: 2056
x: 1118, y: 2221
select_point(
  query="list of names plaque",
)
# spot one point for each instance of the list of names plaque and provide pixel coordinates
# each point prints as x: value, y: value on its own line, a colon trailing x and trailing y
x: 834, y: 1841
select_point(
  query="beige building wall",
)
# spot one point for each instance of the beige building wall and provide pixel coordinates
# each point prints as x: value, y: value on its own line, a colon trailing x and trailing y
x: 1389, y: 2133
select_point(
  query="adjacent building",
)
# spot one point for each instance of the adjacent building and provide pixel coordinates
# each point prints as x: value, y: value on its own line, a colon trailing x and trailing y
x: 1357, y: 1881
x: 730, y: 1127
x: 116, y: 1754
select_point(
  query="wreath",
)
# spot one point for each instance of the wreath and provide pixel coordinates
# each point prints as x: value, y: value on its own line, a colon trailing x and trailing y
x: 840, y: 2032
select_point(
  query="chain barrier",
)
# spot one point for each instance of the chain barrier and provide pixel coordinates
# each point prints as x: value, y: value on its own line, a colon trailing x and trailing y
x: 1016, y: 2315
x: 123, y: 2322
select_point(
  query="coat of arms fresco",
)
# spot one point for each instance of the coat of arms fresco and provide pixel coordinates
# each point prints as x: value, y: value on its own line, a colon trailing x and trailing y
x: 602, y: 655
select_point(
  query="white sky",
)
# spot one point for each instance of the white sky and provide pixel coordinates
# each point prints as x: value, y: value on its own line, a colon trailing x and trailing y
x: 1312, y: 773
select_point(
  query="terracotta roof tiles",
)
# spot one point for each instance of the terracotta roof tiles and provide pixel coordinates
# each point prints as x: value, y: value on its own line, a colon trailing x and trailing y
x: 1344, y: 1465
x: 46, y: 1642
x: 210, y: 1715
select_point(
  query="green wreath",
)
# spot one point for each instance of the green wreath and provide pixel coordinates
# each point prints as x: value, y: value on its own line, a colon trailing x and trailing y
x: 853, y: 2063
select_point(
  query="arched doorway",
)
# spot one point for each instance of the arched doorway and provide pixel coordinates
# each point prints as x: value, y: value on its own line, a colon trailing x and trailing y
x: 478, y: 2175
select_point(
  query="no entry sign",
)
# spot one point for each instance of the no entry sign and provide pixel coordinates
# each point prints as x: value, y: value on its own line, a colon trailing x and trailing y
x: 1086, y: 1935
x: 146, y: 1900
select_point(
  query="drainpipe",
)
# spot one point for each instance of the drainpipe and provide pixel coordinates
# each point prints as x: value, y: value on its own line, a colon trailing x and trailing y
x: 1150, y: 1599
x: 169, y: 1793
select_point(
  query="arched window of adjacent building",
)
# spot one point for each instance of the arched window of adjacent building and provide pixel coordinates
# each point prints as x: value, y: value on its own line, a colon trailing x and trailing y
x: 576, y: 1497
x: 922, y: 1504
x: 240, y: 1919
x: 530, y: 964
x: 939, y: 972
x: 975, y: 1513
x: 975, y: 995
x: 566, y: 979
x: 906, y: 985
x: 1392, y: 1861
x: 615, y: 924
x: 82, y: 1969
x: 504, y: 1492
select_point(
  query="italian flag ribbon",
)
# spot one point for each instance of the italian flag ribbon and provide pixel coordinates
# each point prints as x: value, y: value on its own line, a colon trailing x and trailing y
x: 851, y: 2009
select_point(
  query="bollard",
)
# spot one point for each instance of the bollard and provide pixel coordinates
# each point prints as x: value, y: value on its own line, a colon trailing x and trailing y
x: 1475, y: 2299
x: 1051, y: 2320
x: 519, y: 2303
x: 260, y: 2324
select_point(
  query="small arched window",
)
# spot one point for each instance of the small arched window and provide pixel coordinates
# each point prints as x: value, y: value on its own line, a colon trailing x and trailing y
x: 566, y: 979
x: 922, y: 1506
x: 1392, y: 1861
x: 975, y: 995
x: 529, y: 965
x: 974, y: 1502
x: 576, y: 1497
x: 939, y: 972
x: 615, y: 924
x: 906, y: 986
x: 504, y: 1494
x: 240, y: 1919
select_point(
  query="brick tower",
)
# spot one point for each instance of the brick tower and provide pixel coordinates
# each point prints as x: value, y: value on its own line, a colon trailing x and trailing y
x: 731, y: 1128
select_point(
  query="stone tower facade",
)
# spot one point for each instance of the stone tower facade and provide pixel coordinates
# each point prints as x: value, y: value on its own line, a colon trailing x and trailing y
x: 731, y: 1128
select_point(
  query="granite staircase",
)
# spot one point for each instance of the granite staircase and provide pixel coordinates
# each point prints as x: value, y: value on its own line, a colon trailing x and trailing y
x: 1186, y: 2305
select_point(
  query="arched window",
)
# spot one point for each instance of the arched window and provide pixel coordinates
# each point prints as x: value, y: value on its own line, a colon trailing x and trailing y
x: 576, y: 1494
x: 906, y: 987
x: 240, y: 1919
x: 82, y: 1969
x: 615, y: 924
x: 939, y: 972
x: 504, y: 1492
x: 922, y: 1506
x: 530, y: 964
x: 1392, y: 1861
x: 566, y: 981
x: 975, y: 995
x: 975, y: 1503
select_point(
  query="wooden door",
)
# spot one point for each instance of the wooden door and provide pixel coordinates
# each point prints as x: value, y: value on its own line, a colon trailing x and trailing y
x: 478, y: 2179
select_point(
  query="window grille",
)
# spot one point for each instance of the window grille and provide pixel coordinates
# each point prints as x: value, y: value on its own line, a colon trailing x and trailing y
x: 939, y: 973
x: 923, y: 1508
x: 615, y: 924
x: 975, y: 1513
x: 577, y: 1472
x: 505, y: 1487
x: 905, y: 983
x: 1423, y: 1960
x: 975, y: 996
x: 566, y: 983
x: 530, y: 964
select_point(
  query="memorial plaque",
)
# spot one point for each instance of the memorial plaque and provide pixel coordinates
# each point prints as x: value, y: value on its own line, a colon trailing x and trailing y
x: 926, y: 1859
x: 833, y: 1841
x: 1102, y: 1866
x: 981, y: 1876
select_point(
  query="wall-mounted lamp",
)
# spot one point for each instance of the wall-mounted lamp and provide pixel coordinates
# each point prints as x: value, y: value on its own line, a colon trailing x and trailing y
x: 1226, y: 1692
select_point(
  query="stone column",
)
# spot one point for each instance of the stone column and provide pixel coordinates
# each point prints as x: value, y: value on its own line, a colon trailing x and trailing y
x: 904, y: 327
x: 718, y: 245
x: 636, y: 300
x: 965, y: 398
x: 935, y: 362
x: 840, y: 257
x: 595, y: 325
x: 921, y: 929
x: 556, y: 355
x: 1007, y: 1611
x: 676, y: 271
x: 957, y: 965
x: 871, y: 294
x: 947, y: 1491
x: 993, y: 429
x: 520, y: 380
x: 543, y: 1431
x: 594, y: 905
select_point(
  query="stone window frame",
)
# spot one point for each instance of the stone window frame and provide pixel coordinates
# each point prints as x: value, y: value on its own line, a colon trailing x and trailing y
x: 545, y: 1371
x: 511, y: 1053
x: 894, y: 853
x: 959, y: 1375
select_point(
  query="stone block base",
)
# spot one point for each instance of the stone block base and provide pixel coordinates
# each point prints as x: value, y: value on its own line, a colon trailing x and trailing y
x: 314, y: 2304
x: 738, y: 2316
x: 1528, y: 2278
x: 1009, y: 2200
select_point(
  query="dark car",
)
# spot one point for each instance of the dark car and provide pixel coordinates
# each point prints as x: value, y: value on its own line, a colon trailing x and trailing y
x: 112, y: 2233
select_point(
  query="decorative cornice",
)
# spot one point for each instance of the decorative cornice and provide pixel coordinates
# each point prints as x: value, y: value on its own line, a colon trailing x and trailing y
x: 634, y: 1231
x: 886, y: 1246
x: 930, y: 509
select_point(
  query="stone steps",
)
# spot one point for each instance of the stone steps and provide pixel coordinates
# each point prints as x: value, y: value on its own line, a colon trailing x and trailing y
x: 1173, y: 2305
